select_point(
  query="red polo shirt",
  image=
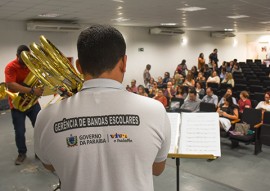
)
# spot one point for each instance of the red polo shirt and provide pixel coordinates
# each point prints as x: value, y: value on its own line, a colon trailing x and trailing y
x: 15, y: 72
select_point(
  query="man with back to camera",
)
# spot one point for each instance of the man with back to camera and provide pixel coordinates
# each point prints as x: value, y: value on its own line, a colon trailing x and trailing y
x: 103, y: 138
x: 15, y: 73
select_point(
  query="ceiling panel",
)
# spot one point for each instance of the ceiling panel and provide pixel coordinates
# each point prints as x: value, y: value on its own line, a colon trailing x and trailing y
x: 146, y: 12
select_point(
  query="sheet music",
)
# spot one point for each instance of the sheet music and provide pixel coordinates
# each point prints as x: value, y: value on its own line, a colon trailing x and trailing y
x: 200, y: 134
x: 175, y: 120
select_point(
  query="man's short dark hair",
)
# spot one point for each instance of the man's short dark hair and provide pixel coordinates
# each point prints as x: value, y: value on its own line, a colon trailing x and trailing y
x: 22, y: 48
x: 99, y: 49
x: 192, y: 90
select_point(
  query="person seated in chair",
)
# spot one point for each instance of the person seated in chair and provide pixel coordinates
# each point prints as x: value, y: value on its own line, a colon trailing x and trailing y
x: 244, y: 102
x: 228, y: 79
x: 228, y: 92
x: 192, y: 103
x: 141, y: 91
x: 210, y: 97
x: 227, y: 113
x: 160, y: 97
x: 264, y: 105
x: 214, y: 78
x: 169, y: 92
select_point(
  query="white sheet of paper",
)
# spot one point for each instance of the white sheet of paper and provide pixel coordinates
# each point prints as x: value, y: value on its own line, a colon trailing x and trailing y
x: 200, y: 134
x: 175, y: 120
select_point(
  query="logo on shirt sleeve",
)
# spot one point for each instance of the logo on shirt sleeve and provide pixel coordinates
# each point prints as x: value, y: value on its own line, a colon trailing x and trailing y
x: 72, y: 141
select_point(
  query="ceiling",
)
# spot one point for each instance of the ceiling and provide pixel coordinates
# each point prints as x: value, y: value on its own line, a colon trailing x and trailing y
x: 147, y: 13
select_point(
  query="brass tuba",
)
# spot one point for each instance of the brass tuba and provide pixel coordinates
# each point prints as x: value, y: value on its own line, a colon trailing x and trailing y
x: 22, y: 101
x: 52, y: 68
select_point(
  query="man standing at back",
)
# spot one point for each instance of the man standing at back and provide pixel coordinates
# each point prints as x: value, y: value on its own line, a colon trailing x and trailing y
x: 103, y: 138
x: 147, y: 75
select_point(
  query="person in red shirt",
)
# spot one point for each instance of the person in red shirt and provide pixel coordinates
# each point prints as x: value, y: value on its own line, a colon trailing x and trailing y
x: 160, y: 97
x: 15, y: 73
x: 244, y: 102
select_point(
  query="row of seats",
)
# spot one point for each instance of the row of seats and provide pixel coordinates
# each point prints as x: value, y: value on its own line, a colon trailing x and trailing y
x: 251, y: 116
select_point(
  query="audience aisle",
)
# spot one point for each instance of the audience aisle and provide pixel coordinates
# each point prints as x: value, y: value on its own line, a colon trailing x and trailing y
x: 237, y: 170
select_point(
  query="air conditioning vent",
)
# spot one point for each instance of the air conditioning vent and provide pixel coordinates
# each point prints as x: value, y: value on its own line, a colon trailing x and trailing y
x: 52, y: 26
x: 222, y: 34
x: 166, y: 31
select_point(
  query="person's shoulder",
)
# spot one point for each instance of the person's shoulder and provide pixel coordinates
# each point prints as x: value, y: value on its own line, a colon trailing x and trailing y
x: 11, y: 64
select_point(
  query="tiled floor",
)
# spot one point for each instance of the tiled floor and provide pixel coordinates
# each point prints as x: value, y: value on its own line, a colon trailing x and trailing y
x: 237, y: 169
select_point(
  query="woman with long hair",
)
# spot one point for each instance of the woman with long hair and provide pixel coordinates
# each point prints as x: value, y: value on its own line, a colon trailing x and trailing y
x: 227, y: 112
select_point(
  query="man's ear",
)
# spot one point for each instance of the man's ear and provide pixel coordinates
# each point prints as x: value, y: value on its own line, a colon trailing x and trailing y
x: 123, y: 64
x: 78, y: 66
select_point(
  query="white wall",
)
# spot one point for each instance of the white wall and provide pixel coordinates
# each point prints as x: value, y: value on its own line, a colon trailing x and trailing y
x: 164, y: 53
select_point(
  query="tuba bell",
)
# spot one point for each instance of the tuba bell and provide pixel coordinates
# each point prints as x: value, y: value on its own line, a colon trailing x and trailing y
x: 52, y: 68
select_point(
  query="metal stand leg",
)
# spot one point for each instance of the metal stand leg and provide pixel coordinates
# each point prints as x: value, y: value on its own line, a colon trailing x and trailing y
x: 177, y: 174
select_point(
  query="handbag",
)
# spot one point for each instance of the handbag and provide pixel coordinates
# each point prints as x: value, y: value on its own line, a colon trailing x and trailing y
x: 242, y: 128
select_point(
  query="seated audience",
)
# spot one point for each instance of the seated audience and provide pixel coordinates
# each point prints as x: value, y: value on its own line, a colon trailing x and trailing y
x: 210, y: 97
x: 207, y: 71
x: 169, y: 92
x: 200, y: 78
x: 236, y: 68
x: 166, y: 78
x: 244, y: 102
x: 228, y: 92
x: 160, y: 97
x: 200, y: 90
x: 213, y: 78
x: 133, y: 87
x: 189, y: 81
x: 151, y: 83
x: 160, y: 82
x: 222, y: 74
x: 154, y: 90
x: 192, y: 103
x: 228, y: 79
x: 229, y: 66
x: 194, y: 72
x: 179, y: 79
x: 180, y: 92
x: 264, y: 105
x: 227, y: 112
x: 215, y: 67
x: 141, y: 91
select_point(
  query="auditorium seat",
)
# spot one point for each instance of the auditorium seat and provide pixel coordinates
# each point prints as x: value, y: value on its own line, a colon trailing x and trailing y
x: 256, y: 88
x: 258, y: 96
x: 252, y: 117
x: 207, y: 107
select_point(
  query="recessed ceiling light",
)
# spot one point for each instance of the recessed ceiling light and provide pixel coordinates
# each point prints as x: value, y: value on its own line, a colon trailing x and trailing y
x: 265, y: 22
x: 206, y: 27
x: 49, y: 15
x: 121, y: 19
x: 120, y: 1
x: 237, y: 16
x: 191, y: 9
x: 119, y: 13
x: 168, y: 24
x: 228, y: 30
x: 119, y: 7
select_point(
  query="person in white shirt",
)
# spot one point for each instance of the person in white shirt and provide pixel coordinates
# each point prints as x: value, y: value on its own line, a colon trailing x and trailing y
x: 214, y: 78
x: 103, y: 138
x: 264, y: 105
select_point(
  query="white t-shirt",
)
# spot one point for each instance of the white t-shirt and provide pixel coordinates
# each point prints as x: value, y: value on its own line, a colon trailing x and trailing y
x: 103, y: 138
x: 263, y: 105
